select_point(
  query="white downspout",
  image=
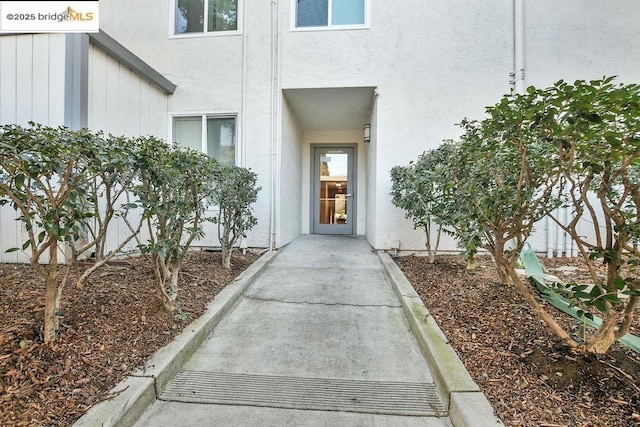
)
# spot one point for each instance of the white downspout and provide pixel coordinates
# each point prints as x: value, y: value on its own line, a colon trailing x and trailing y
x: 243, y: 108
x: 519, y: 86
x: 274, y: 123
x: 518, y: 43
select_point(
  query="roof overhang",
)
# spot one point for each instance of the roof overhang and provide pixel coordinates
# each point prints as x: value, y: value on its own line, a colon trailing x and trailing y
x: 322, y: 109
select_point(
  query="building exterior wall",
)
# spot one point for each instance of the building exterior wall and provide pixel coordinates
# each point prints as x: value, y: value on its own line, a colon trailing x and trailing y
x: 217, y: 74
x: 289, y: 223
x: 62, y: 79
x: 573, y: 40
x: 32, y: 78
x: 121, y: 102
x: 433, y: 64
x: 32, y: 88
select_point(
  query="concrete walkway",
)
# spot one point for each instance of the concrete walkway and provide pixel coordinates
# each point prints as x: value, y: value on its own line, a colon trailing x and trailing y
x: 322, y: 336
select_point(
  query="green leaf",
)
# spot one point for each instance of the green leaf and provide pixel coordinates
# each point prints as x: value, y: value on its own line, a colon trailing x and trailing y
x: 19, y: 181
x: 619, y: 283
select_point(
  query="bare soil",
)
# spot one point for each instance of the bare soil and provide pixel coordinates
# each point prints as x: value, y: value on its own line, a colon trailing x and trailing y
x: 528, y: 375
x: 109, y: 328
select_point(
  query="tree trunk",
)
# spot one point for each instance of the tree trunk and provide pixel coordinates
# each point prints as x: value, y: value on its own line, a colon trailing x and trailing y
x: 605, y: 336
x: 505, y: 279
x: 430, y: 253
x: 546, y: 317
x: 163, y: 279
x: 52, y: 300
x: 226, y: 257
x: 503, y: 274
x: 471, y: 261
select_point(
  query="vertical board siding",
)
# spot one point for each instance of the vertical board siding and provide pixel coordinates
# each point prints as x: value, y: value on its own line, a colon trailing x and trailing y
x: 32, y: 81
x: 24, y: 80
x: 8, y: 73
x: 56, y: 87
x: 32, y: 88
x: 40, y: 79
x: 121, y: 102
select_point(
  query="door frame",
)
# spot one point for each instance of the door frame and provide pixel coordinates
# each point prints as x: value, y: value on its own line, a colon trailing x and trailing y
x: 352, y: 184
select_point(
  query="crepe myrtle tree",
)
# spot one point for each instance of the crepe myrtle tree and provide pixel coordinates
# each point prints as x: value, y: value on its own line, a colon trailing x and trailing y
x: 44, y: 176
x: 511, y: 178
x: 513, y: 181
x: 448, y: 169
x: 427, y: 191
x: 112, y: 162
x: 172, y: 186
x: 413, y: 190
x: 234, y: 192
x: 598, y: 128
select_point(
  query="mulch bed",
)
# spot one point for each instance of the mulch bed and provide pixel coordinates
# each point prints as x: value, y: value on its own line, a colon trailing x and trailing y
x: 109, y: 328
x: 529, y: 376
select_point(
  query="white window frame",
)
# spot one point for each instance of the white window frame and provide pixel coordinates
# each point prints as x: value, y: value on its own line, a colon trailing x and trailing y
x: 329, y: 26
x: 204, y: 115
x: 172, y: 23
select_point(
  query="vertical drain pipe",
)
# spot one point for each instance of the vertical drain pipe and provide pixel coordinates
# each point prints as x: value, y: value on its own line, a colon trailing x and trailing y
x: 519, y: 86
x: 274, y: 123
x: 243, y: 108
x: 518, y: 46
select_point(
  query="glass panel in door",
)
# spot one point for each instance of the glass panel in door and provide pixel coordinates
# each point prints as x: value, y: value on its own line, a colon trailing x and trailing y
x: 333, y: 191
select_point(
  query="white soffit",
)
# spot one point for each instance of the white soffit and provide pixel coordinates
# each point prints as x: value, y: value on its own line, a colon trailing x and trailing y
x: 322, y: 109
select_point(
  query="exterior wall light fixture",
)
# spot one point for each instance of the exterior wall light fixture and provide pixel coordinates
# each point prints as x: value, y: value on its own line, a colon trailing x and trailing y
x: 367, y: 133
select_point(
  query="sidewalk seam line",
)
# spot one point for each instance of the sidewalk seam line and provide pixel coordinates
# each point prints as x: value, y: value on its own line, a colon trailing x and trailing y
x: 318, y: 303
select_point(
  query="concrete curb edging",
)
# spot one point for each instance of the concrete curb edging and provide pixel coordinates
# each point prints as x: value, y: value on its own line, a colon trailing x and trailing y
x: 467, y: 404
x: 141, y: 388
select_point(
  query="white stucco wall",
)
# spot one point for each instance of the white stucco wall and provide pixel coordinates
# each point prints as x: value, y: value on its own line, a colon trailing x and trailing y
x: 289, y: 225
x: 217, y: 74
x: 371, y: 148
x: 431, y: 68
x: 433, y: 63
x: 577, y: 39
x: 572, y: 40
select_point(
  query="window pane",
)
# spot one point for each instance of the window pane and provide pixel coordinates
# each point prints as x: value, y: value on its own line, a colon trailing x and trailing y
x: 347, y: 12
x: 312, y: 13
x: 187, y: 132
x: 223, y: 15
x: 221, y: 139
x: 189, y: 16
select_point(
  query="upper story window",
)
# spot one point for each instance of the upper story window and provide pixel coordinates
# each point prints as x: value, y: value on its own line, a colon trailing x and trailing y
x: 205, y: 16
x: 213, y: 135
x: 330, y: 13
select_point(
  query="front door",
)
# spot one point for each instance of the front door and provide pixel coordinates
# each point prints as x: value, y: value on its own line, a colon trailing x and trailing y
x: 334, y: 202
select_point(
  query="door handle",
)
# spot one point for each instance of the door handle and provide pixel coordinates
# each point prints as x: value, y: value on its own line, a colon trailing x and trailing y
x: 348, y: 195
